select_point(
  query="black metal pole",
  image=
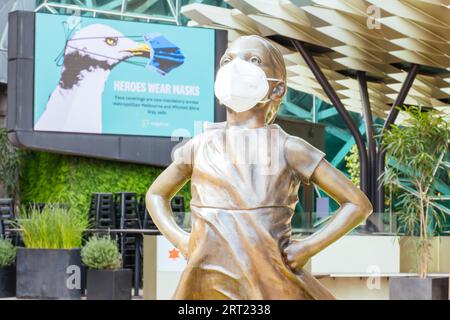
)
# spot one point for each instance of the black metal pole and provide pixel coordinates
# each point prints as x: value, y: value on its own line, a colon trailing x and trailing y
x: 375, y: 219
x: 379, y: 201
x: 371, y: 146
x: 326, y: 86
x: 137, y: 264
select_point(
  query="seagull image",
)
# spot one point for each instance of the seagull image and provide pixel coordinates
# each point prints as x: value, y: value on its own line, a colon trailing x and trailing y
x: 90, y: 54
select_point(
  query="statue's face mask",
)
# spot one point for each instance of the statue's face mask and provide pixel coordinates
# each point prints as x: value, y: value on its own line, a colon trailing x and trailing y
x: 241, y: 85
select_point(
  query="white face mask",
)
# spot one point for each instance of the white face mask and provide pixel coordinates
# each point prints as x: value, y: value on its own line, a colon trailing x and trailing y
x: 240, y: 85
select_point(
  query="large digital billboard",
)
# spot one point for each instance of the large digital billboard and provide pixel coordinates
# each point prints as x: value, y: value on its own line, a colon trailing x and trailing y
x: 116, y: 77
x: 111, y: 89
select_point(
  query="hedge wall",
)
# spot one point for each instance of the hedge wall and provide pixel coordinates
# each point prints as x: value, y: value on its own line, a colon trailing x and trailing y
x: 55, y: 178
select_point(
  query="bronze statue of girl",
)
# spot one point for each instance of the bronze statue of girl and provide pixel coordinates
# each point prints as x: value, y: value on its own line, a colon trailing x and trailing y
x: 245, y: 174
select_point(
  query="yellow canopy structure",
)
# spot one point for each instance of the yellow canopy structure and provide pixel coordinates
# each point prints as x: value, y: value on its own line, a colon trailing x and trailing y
x: 376, y: 36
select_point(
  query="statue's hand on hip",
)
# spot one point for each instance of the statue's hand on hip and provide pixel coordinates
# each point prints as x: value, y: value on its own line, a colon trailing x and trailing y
x: 183, y: 245
x: 297, y: 254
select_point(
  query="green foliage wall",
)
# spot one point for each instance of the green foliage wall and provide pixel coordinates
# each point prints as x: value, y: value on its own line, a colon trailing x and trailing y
x: 9, y: 165
x: 55, y: 178
x: 352, y: 164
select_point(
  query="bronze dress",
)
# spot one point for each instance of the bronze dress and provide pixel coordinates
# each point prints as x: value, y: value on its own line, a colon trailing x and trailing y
x: 243, y: 198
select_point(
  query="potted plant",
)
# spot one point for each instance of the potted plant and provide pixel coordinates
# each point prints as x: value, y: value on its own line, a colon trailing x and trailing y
x: 49, y: 267
x: 7, y: 269
x: 106, y: 280
x: 417, y: 151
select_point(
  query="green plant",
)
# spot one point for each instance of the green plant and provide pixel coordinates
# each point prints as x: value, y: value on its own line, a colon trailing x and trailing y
x: 7, y: 253
x: 55, y: 178
x: 53, y: 228
x: 417, y: 151
x: 352, y: 165
x: 101, y: 253
x: 9, y: 164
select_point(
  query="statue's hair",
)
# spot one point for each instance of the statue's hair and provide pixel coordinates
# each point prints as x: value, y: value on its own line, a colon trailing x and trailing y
x: 280, y: 68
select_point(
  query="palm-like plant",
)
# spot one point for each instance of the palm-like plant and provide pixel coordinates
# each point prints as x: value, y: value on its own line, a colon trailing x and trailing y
x: 417, y: 152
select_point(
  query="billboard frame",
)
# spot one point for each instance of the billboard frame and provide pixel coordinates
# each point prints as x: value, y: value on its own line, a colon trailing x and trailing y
x: 149, y: 150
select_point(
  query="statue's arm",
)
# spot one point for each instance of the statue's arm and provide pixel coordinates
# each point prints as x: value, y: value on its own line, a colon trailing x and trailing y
x: 158, y: 197
x: 354, y: 208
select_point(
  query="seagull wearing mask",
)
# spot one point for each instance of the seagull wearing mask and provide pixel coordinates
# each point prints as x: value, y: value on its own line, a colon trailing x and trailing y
x: 89, y: 56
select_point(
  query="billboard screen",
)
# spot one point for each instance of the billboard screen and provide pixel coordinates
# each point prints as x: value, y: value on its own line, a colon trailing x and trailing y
x: 111, y: 89
x: 102, y: 76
